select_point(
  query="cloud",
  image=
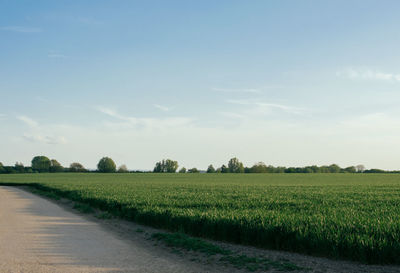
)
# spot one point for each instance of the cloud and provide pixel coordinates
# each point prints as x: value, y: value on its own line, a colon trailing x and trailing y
x: 28, y: 121
x: 367, y: 74
x: 21, y: 29
x: 162, y: 107
x: 242, y: 90
x: 37, y: 132
x: 57, y: 56
x: 45, y: 139
x: 263, y: 107
x: 147, y: 123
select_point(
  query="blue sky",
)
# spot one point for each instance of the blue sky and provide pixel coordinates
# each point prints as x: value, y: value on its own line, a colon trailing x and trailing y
x: 290, y: 83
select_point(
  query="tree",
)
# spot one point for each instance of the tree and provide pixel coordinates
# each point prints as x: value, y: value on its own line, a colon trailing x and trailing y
x: 123, y: 169
x: 182, y: 170
x: 2, y: 170
x: 76, y: 168
x: 159, y: 168
x: 334, y: 168
x: 360, y: 168
x: 106, y: 165
x: 211, y: 169
x: 224, y: 169
x: 19, y: 167
x: 55, y: 166
x: 235, y: 166
x: 41, y: 164
x: 350, y: 169
x: 193, y: 170
x: 166, y: 166
x: 171, y: 166
x: 259, y: 167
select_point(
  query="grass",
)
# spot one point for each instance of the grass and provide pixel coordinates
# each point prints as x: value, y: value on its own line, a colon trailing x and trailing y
x: 84, y: 208
x: 182, y: 241
x: 189, y: 243
x: 351, y: 216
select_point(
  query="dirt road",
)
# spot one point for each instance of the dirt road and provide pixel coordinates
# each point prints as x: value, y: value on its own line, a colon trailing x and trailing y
x: 37, y: 235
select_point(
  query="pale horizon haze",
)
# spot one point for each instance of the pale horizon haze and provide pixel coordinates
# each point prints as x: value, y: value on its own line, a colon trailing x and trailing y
x: 289, y: 83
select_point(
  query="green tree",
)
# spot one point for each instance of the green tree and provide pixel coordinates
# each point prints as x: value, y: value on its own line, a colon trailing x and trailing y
x: 41, y: 164
x: 2, y: 170
x: 106, y: 165
x: 166, y: 166
x: 55, y: 166
x: 259, y: 167
x: 123, y: 169
x: 182, y: 170
x: 171, y: 165
x: 77, y: 168
x: 224, y: 169
x: 193, y: 170
x: 350, y: 169
x: 211, y: 169
x: 235, y: 166
x: 334, y: 168
x: 19, y: 167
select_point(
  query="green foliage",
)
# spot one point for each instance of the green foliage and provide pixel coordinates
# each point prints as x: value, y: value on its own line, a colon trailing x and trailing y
x: 106, y: 165
x: 2, y: 170
x: 41, y: 164
x: 193, y: 170
x: 235, y: 166
x: 55, y: 166
x: 224, y: 169
x: 352, y: 216
x: 19, y: 167
x: 259, y: 167
x: 211, y: 169
x: 182, y: 170
x: 166, y: 166
x: 77, y: 168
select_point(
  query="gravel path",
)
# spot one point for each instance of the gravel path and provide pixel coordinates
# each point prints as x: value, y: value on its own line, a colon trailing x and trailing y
x: 37, y: 235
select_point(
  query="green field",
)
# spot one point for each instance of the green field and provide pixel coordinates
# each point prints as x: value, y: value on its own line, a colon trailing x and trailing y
x: 351, y: 216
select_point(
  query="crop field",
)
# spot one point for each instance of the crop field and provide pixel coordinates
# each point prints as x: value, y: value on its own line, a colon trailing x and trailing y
x: 350, y: 216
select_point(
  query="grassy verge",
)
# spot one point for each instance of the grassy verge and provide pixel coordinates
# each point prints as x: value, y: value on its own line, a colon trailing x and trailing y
x: 240, y: 261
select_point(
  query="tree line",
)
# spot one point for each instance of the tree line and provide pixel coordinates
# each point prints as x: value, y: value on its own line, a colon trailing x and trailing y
x: 42, y: 164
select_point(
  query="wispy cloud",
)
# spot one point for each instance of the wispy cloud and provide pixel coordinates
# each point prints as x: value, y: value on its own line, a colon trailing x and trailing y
x: 162, y: 107
x: 39, y: 133
x: 57, y: 56
x: 22, y: 29
x: 28, y: 121
x: 149, y: 123
x: 239, y: 90
x: 367, y: 74
x: 268, y: 106
x: 45, y: 139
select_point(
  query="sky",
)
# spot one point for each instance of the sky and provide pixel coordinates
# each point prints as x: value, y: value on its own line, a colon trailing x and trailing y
x: 289, y: 83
